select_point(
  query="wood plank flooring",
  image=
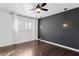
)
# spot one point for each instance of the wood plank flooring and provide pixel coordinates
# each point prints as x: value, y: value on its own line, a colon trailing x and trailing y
x: 35, y: 48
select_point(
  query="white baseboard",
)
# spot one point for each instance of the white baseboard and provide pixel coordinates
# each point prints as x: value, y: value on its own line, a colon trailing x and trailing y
x: 16, y: 43
x: 59, y: 45
x: 24, y: 41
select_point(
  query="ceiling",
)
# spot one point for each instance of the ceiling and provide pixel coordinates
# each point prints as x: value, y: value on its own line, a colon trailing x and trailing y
x: 25, y: 8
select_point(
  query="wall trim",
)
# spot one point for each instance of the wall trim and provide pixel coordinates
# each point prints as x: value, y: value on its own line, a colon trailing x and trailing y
x: 59, y: 45
x: 17, y: 43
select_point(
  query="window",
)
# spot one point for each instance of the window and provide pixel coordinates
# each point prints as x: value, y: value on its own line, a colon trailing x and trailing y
x: 28, y: 25
x: 16, y: 24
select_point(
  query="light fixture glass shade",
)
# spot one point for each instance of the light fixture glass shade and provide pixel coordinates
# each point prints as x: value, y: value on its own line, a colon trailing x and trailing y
x: 38, y: 9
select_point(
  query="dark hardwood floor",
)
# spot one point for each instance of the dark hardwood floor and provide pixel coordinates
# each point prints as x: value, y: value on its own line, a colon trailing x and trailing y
x: 35, y: 48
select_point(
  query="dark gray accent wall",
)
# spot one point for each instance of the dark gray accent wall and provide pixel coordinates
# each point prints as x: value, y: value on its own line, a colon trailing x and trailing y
x: 52, y: 28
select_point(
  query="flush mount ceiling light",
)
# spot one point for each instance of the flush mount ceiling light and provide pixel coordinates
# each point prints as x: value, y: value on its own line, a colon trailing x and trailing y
x: 39, y: 7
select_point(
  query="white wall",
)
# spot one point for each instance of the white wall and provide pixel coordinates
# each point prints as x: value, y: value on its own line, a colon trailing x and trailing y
x: 23, y: 35
x: 6, y: 28
x: 9, y: 36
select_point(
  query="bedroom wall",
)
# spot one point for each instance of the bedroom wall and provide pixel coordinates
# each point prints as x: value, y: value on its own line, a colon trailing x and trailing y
x: 8, y: 29
x: 61, y: 28
x: 24, y: 35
